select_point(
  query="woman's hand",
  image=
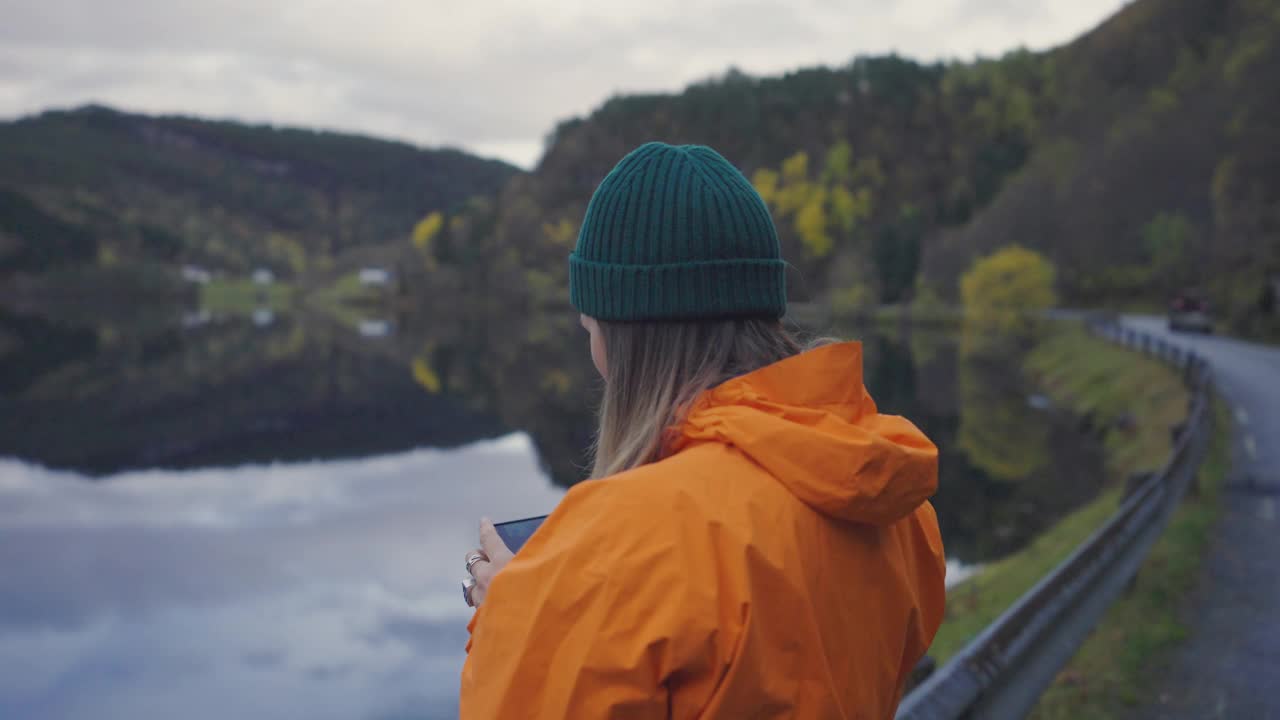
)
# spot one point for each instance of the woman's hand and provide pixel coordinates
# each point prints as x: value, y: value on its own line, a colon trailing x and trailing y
x: 493, y: 556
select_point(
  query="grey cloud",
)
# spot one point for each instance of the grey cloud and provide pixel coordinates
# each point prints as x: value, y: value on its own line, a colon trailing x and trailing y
x: 263, y: 658
x: 426, y: 635
x: 131, y: 25
x: 496, y: 75
x: 1010, y: 12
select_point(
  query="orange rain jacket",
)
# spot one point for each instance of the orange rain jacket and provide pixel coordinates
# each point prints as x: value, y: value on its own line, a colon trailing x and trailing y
x: 783, y: 562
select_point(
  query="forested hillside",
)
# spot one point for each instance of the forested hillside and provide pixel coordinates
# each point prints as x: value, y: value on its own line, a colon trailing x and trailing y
x: 1160, y: 167
x: 1141, y: 158
x: 859, y: 164
x: 100, y: 189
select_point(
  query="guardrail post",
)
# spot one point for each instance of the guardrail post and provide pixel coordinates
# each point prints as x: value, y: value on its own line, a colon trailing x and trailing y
x: 1176, y: 433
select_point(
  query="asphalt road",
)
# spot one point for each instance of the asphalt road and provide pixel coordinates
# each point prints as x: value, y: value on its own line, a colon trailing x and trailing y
x: 1230, y: 665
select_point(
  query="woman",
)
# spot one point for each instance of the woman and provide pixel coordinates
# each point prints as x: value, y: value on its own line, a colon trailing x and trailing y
x: 755, y: 540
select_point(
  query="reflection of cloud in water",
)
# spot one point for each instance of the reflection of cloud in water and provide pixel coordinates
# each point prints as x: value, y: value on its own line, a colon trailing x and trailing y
x: 312, y: 589
x: 958, y: 572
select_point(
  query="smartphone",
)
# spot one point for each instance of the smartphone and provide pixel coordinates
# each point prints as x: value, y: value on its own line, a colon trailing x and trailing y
x: 515, y: 532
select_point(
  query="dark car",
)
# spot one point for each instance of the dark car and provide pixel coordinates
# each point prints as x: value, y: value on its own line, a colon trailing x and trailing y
x: 1190, y: 311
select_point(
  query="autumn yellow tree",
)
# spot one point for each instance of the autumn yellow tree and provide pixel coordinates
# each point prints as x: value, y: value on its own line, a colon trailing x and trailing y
x: 1005, y: 295
x: 824, y: 211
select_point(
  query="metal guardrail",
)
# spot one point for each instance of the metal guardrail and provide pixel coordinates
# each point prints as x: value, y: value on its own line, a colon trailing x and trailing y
x: 1003, y: 671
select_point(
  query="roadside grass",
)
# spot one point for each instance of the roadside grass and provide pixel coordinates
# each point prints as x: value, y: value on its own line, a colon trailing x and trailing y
x: 1132, y: 401
x: 1259, y: 329
x: 975, y: 603
x: 243, y: 297
x: 1121, y: 663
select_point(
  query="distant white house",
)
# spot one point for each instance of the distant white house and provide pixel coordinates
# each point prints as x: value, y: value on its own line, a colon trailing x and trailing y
x: 196, y: 274
x: 374, y: 277
x: 374, y: 328
x: 263, y: 276
x: 262, y: 317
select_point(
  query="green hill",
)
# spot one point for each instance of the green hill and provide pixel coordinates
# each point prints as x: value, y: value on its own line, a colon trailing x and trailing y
x: 1159, y: 169
x: 97, y: 189
x: 1142, y: 157
x: 862, y: 163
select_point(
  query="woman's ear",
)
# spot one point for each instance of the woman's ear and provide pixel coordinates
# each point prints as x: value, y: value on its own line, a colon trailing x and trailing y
x: 597, y: 345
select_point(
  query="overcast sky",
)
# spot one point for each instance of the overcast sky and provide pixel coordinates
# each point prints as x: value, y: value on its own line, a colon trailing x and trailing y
x: 490, y: 76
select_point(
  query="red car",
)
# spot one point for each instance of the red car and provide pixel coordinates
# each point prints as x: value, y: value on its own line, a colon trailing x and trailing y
x: 1189, y: 311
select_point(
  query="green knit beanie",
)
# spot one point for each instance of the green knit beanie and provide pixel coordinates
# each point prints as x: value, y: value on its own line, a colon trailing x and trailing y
x: 677, y: 233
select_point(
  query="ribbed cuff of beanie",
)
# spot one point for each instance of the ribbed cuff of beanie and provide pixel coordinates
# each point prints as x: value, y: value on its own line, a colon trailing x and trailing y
x: 679, y: 291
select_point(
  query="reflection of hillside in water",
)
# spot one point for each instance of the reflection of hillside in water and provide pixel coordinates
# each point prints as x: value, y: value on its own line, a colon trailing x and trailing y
x: 1006, y: 470
x: 148, y: 391
x: 112, y: 396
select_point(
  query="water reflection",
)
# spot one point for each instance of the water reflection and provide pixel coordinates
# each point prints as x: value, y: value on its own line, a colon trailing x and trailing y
x: 206, y: 516
x: 320, y: 589
x: 1007, y: 470
x: 112, y: 397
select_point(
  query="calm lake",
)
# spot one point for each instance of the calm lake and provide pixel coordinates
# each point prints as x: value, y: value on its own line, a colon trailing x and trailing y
x: 266, y: 516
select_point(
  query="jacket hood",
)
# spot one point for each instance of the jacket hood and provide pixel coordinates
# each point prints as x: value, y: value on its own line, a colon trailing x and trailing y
x: 810, y: 423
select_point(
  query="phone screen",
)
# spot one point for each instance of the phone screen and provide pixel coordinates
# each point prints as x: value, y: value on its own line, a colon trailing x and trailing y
x: 515, y: 532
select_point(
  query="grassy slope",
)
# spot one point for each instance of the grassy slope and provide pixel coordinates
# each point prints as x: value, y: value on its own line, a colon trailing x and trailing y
x: 1139, y: 399
x: 1111, y: 384
x: 1118, y: 665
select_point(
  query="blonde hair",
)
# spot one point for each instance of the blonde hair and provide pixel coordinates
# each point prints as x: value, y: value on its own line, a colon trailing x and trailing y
x: 655, y: 371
